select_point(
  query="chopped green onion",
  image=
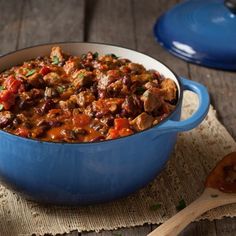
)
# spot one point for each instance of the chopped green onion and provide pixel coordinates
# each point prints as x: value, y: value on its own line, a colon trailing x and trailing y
x: 95, y: 55
x: 2, y: 88
x: 30, y: 72
x: 60, y: 89
x: 112, y: 55
x: 83, y: 56
x: 181, y: 205
x: 80, y: 75
x: 155, y: 207
x: 1, y: 107
x: 214, y: 195
x: 55, y: 60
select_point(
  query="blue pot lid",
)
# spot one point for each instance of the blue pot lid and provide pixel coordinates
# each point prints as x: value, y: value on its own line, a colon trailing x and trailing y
x: 200, y: 31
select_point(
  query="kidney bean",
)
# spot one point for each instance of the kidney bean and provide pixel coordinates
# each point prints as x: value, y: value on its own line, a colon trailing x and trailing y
x: 48, y: 105
x: 127, y: 81
x: 55, y: 123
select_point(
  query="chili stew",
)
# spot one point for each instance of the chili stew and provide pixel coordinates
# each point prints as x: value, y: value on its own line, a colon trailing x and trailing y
x: 86, y: 98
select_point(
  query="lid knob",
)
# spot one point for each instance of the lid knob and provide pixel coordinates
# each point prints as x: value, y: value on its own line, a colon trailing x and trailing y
x: 231, y: 5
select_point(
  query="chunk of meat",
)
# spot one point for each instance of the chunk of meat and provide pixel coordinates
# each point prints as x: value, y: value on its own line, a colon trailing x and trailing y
x: 50, y: 92
x: 6, y: 117
x: 84, y: 98
x: 52, y: 78
x: 82, y: 78
x: 68, y: 104
x: 35, y: 80
x: 169, y: 89
x: 56, y: 52
x: 103, y: 82
x: 72, y: 65
x: 151, y: 100
x: 150, y: 85
x: 141, y: 78
x: 136, y: 68
x: 105, y: 106
x: 142, y: 121
x: 117, y: 88
x: 22, y: 119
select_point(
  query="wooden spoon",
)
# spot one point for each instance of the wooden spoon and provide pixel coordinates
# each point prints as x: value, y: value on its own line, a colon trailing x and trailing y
x: 220, y: 190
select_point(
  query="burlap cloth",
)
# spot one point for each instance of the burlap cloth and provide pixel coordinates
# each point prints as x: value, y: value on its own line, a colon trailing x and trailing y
x: 195, y: 154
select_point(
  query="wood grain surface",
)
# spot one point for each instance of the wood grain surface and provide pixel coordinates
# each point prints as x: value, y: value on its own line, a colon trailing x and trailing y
x: 128, y: 23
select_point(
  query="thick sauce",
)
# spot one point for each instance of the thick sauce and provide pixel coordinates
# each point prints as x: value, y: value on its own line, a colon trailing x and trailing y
x: 64, y: 98
x: 223, y: 176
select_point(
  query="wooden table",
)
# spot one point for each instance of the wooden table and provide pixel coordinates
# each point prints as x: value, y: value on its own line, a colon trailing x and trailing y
x: 123, y: 22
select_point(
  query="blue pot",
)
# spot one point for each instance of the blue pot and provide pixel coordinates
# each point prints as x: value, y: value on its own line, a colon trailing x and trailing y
x: 87, y: 173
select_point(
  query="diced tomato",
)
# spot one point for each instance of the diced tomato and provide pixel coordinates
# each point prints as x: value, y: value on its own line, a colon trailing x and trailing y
x: 7, y: 99
x: 113, y: 133
x: 22, y: 132
x: 81, y: 120
x: 12, y: 84
x: 125, y: 132
x: 120, y: 123
x: 45, y: 70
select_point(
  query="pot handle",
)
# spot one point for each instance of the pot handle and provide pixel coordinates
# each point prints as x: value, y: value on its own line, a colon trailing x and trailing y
x: 198, y: 116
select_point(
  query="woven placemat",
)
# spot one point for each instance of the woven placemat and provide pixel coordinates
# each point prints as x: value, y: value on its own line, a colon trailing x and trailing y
x: 195, y: 155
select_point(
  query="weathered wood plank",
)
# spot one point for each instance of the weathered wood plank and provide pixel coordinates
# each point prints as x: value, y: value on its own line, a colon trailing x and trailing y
x: 145, y: 15
x: 110, y: 22
x: 204, y: 227
x: 226, y: 227
x: 222, y: 87
x: 52, y: 21
x: 201, y: 228
x: 9, y: 24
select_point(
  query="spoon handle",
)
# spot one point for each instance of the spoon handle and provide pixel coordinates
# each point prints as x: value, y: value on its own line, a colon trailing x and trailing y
x: 210, y: 199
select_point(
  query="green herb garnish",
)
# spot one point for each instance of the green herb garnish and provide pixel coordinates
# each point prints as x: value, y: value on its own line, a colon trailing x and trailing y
x: 55, y: 60
x: 214, y: 195
x: 155, y: 207
x: 140, y: 90
x: 2, y: 88
x: 60, y: 89
x: 112, y: 55
x: 181, y: 205
x: 95, y: 55
x: 30, y: 72
x: 1, y: 107
x: 80, y: 75
x: 83, y: 56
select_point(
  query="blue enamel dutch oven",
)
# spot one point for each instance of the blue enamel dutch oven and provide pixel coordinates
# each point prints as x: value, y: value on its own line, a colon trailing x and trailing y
x: 88, y: 173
